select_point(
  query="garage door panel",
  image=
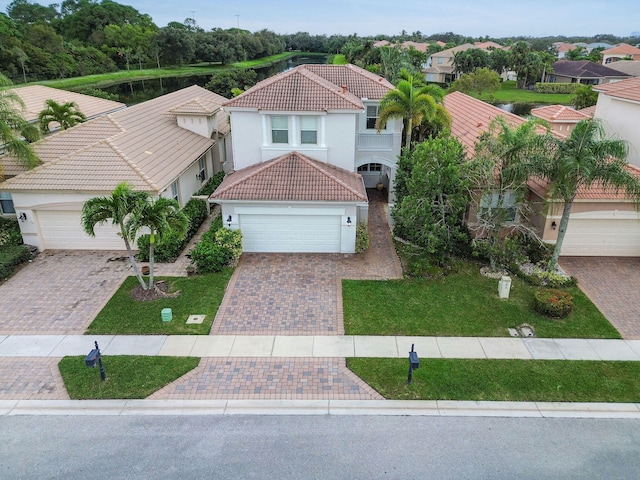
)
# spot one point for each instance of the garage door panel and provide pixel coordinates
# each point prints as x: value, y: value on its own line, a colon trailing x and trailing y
x: 63, y: 230
x: 601, y: 238
x: 290, y: 233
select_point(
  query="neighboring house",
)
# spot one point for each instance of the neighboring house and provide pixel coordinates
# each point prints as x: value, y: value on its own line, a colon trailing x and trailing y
x: 420, y: 46
x: 619, y: 109
x: 561, y: 118
x: 167, y: 146
x: 439, y: 67
x: 629, y: 67
x: 304, y: 149
x: 583, y: 71
x: 592, y: 46
x: 622, y: 51
x: 602, y: 222
x: 563, y: 48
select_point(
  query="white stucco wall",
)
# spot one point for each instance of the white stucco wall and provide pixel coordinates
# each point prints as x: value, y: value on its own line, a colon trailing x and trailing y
x: 620, y: 119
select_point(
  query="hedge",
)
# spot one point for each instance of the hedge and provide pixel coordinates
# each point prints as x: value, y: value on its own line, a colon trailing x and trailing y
x: 218, y: 248
x: 210, y: 186
x: 557, y: 87
x: 10, y: 232
x: 10, y: 257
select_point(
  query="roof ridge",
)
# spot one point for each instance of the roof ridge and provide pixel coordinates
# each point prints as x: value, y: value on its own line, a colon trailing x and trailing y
x: 330, y: 86
x: 133, y: 166
x: 317, y: 167
x: 263, y: 84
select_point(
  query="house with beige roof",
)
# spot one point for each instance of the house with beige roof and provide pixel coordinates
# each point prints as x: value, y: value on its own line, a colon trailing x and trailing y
x: 167, y: 146
x: 305, y: 149
x: 602, y: 222
x: 439, y: 67
x: 622, y: 51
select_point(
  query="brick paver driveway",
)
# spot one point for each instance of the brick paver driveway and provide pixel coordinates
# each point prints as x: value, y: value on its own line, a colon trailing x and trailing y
x: 612, y: 284
x: 60, y: 292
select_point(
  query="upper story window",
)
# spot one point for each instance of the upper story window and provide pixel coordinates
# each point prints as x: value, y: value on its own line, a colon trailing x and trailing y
x: 6, y: 203
x: 308, y: 130
x: 372, y: 116
x: 370, y: 167
x: 202, y: 170
x: 440, y: 60
x: 174, y: 191
x: 279, y: 129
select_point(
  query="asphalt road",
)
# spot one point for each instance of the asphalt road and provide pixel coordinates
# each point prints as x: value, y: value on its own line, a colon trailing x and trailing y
x: 316, y: 447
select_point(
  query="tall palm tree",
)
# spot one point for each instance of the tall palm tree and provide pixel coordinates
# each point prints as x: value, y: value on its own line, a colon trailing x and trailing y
x: 586, y: 158
x: 410, y: 100
x: 65, y: 114
x: 15, y: 131
x: 118, y: 208
x: 159, y: 216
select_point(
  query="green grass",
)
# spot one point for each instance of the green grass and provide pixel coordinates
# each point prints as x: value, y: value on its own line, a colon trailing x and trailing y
x: 127, y: 376
x: 508, y: 93
x: 502, y: 380
x: 199, y: 295
x: 464, y: 303
x: 339, y: 59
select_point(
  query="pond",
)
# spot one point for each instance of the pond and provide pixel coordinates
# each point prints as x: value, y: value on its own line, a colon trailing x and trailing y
x: 520, y: 109
x: 142, y: 90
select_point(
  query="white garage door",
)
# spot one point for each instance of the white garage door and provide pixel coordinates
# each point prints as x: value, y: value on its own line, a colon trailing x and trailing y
x: 61, y: 230
x: 602, y: 238
x: 290, y: 233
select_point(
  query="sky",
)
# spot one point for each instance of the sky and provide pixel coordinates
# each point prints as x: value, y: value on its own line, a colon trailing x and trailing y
x: 475, y: 18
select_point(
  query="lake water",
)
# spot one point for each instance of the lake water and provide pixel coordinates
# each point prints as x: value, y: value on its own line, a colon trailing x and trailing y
x: 520, y: 109
x: 142, y: 90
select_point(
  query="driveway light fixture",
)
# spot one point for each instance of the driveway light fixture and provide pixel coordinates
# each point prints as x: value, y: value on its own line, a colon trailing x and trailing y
x: 348, y: 221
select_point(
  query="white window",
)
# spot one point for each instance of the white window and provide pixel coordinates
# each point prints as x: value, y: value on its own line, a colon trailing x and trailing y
x: 174, y: 191
x: 202, y: 169
x: 370, y: 167
x: 6, y: 203
x: 372, y: 116
x: 309, y: 130
x: 440, y: 60
x: 507, y: 208
x: 279, y: 129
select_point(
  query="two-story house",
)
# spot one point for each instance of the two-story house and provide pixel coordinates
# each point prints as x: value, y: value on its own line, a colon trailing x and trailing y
x: 305, y: 148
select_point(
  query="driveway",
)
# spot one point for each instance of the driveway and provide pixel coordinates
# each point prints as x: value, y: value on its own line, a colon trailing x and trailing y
x: 60, y: 292
x: 612, y: 285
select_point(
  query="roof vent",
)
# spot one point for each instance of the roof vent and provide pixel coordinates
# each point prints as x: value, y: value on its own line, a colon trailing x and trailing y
x: 479, y: 124
x: 344, y: 89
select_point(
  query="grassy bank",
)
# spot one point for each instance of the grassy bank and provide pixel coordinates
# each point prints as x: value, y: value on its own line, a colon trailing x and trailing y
x: 508, y: 93
x: 502, y: 380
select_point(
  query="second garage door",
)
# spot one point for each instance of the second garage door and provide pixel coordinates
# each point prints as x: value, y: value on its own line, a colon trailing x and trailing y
x: 602, y: 238
x: 290, y: 233
x: 62, y: 230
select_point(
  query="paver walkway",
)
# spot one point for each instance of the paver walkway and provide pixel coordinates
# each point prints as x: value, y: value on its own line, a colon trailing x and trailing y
x: 612, y: 285
x: 301, y: 294
x: 27, y: 378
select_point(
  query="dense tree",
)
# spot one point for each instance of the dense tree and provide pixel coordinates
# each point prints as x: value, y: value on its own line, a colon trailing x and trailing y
x: 584, y: 96
x: 64, y: 114
x: 176, y: 46
x: 394, y: 60
x: 499, y: 60
x: 15, y: 131
x: 577, y: 53
x: 527, y: 64
x: 584, y: 159
x: 25, y: 12
x: 224, y: 83
x: 480, y: 83
x: 468, y: 61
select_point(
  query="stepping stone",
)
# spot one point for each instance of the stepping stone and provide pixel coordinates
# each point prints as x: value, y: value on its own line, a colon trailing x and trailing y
x: 196, y: 318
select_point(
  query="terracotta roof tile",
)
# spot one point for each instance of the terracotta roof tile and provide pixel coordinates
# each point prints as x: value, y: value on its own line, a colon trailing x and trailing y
x: 559, y: 113
x: 625, y: 89
x: 292, y: 177
x: 197, y: 106
x: 623, y: 48
x: 360, y: 82
x: 589, y: 111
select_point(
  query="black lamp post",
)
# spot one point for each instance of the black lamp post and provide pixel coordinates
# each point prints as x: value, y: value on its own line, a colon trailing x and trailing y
x: 93, y: 358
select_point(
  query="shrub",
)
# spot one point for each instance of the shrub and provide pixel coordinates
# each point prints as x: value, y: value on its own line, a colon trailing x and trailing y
x: 556, y: 87
x: 216, y: 250
x: 10, y: 232
x: 171, y: 244
x: 362, y: 238
x: 210, y: 185
x: 553, y: 303
x: 11, y: 256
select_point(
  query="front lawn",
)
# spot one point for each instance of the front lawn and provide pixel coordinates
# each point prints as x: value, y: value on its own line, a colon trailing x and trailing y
x: 464, y: 303
x: 127, y: 376
x: 508, y: 93
x: 502, y: 380
x: 199, y: 295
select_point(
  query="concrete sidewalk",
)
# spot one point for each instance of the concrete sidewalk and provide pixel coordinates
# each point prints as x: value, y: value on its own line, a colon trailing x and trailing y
x: 276, y: 346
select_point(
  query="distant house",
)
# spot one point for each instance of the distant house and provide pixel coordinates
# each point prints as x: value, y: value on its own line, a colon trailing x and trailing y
x: 583, y: 71
x: 305, y: 149
x: 622, y: 51
x: 439, y: 67
x: 629, y: 67
x: 167, y: 147
x: 561, y: 118
x: 562, y: 48
x: 603, y: 222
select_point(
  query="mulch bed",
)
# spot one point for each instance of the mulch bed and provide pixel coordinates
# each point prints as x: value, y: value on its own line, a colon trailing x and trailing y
x: 160, y: 291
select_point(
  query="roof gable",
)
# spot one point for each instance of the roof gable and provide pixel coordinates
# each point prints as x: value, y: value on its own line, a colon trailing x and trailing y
x: 626, y: 89
x: 622, y: 48
x: 559, y: 113
x: 585, y: 69
x: 292, y: 177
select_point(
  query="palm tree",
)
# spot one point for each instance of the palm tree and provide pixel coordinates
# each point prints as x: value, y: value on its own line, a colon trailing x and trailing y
x: 586, y: 158
x: 15, y: 131
x: 160, y: 216
x: 65, y: 114
x: 118, y: 208
x: 411, y: 101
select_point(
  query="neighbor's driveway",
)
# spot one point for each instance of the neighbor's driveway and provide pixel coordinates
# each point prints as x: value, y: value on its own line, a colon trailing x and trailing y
x: 612, y: 284
x: 60, y: 292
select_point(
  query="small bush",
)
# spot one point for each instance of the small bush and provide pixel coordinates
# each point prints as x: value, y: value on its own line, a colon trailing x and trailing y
x: 362, y: 238
x: 217, y: 249
x: 210, y: 185
x: 10, y: 232
x: 553, y: 303
x: 11, y: 256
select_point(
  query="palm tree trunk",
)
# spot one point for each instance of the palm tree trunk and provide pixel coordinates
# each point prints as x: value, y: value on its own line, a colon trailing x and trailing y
x: 407, y: 135
x: 152, y: 242
x: 134, y: 264
x: 562, y: 229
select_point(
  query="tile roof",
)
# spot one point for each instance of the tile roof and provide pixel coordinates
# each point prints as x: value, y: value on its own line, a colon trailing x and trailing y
x: 626, y: 89
x: 559, y: 113
x: 197, y: 106
x: 621, y: 48
x: 315, y: 88
x: 34, y: 97
x: 142, y: 144
x: 471, y: 117
x: 584, y: 69
x: 292, y: 177
x: 627, y: 66
x: 588, y: 111
x: 564, y: 47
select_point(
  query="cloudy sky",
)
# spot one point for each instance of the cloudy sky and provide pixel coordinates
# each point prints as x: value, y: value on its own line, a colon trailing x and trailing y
x: 496, y: 18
